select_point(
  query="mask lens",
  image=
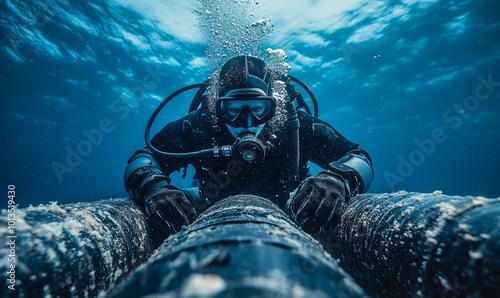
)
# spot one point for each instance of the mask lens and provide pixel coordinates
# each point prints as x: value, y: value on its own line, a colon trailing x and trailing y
x: 262, y: 109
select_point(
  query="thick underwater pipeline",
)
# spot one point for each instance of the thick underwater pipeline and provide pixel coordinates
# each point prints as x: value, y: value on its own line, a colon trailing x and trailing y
x: 73, y: 250
x: 242, y: 246
x: 426, y: 245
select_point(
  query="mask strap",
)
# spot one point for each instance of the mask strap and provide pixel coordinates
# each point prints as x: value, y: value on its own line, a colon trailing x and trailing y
x: 255, y: 81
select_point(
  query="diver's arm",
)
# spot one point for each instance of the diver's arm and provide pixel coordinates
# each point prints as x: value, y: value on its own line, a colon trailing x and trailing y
x: 166, y: 207
x: 147, y: 171
x: 143, y: 174
x: 148, y: 183
x: 355, y: 168
x: 338, y: 156
x: 320, y: 200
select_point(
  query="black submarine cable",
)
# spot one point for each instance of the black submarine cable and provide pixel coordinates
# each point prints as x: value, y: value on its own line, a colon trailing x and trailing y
x: 242, y: 246
x: 420, y: 244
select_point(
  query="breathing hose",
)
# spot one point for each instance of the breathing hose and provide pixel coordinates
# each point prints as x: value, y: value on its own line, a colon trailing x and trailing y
x: 197, y: 154
x: 293, y: 131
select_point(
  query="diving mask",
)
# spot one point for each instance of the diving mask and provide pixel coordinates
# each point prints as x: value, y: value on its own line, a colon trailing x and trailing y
x: 246, y: 110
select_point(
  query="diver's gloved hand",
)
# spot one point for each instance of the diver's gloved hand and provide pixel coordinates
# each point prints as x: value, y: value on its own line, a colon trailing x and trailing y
x: 319, y: 202
x: 169, y: 208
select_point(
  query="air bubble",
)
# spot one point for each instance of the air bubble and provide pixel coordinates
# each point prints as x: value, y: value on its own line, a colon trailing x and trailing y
x: 240, y: 30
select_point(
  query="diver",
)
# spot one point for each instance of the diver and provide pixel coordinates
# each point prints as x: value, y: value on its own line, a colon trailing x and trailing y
x: 249, y: 135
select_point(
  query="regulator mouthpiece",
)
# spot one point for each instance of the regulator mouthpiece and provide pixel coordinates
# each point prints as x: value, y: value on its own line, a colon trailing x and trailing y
x: 248, y: 150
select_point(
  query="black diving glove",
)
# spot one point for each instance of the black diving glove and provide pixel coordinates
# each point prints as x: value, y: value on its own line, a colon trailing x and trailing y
x: 319, y: 202
x: 168, y: 209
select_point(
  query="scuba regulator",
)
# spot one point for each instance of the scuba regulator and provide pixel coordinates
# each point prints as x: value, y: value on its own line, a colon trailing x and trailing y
x: 248, y: 150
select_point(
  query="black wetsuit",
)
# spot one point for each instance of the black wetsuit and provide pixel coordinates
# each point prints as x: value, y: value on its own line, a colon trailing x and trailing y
x: 218, y: 178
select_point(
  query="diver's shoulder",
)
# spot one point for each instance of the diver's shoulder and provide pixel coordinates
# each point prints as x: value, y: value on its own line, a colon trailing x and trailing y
x: 194, y: 116
x: 307, y: 120
x: 304, y: 115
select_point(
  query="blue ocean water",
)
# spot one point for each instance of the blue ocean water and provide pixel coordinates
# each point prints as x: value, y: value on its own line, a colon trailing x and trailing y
x: 415, y: 83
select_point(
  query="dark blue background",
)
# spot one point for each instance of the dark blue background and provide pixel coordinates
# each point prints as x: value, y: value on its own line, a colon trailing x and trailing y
x: 68, y: 69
